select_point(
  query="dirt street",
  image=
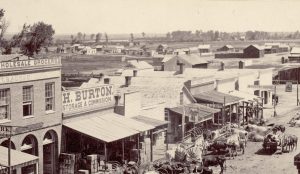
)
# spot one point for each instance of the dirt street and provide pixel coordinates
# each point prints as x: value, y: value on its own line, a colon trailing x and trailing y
x: 256, y: 162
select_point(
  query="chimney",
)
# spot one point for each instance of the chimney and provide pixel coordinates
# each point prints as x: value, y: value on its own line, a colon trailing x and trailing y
x: 134, y: 73
x: 282, y: 60
x: 117, y: 98
x: 222, y: 66
x: 241, y: 65
x: 127, y: 80
x: 106, y: 80
x: 180, y: 64
x: 100, y: 76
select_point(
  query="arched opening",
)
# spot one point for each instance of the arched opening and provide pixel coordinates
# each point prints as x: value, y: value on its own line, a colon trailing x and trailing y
x: 50, y: 152
x: 30, y: 145
x: 6, y: 144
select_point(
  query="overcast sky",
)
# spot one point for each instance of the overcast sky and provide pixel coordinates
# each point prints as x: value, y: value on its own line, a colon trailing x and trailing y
x: 154, y: 16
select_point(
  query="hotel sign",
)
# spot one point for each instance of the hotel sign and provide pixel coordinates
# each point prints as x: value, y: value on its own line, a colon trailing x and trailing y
x: 262, y: 87
x: 29, y: 63
x: 86, y: 98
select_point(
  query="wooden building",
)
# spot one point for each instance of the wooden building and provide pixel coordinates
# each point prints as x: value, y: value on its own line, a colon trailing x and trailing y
x: 253, y: 51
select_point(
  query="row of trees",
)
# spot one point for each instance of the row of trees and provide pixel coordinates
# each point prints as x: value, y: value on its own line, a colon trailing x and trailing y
x: 31, y: 39
x: 211, y: 35
x: 80, y: 37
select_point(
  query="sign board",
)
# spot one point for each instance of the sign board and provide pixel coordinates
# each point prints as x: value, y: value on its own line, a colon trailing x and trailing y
x: 29, y: 63
x: 29, y: 77
x: 5, y: 131
x: 262, y: 87
x: 288, y: 87
x: 85, y: 98
x: 193, y: 113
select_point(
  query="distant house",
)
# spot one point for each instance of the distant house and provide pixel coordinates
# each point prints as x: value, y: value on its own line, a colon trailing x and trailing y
x: 295, y: 54
x: 180, y: 62
x: 99, y: 48
x: 89, y: 51
x: 204, y: 49
x: 162, y: 48
x: 253, y: 51
x: 226, y: 48
x: 271, y: 48
x: 113, y: 49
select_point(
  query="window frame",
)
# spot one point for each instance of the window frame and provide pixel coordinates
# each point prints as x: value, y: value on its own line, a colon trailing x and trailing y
x: 8, y: 101
x: 28, y: 102
x: 52, y: 84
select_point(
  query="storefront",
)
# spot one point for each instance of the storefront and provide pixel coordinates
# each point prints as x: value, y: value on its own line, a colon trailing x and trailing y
x: 19, y: 161
x: 251, y: 107
x: 194, y: 117
x: 228, y: 104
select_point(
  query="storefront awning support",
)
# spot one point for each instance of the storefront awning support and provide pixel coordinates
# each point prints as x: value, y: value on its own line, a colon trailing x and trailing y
x: 151, y: 145
x: 123, y: 149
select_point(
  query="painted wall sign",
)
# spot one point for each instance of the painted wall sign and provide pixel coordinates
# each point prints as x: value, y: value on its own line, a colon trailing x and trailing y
x: 29, y: 63
x: 261, y: 87
x: 5, y: 131
x: 84, y: 98
x: 29, y: 77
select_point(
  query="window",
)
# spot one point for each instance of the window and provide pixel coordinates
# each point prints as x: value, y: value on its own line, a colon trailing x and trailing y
x: 4, y: 104
x: 27, y: 100
x: 49, y: 96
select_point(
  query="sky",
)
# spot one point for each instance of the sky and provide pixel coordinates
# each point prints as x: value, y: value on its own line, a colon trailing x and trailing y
x: 154, y: 16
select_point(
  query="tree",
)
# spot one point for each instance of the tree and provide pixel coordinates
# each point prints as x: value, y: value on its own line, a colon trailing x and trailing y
x: 168, y: 35
x: 143, y: 34
x: 3, y: 24
x: 131, y: 37
x: 106, y: 38
x: 98, y: 37
x: 34, y: 37
x: 79, y: 36
x: 84, y: 35
x: 72, y: 37
x: 92, y: 36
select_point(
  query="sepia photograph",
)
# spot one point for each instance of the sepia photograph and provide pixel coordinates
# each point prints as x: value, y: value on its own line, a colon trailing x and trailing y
x: 149, y: 86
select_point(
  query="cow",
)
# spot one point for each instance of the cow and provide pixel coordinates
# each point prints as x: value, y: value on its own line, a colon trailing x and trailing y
x: 214, y: 160
x: 243, y: 135
x: 234, y: 143
x: 290, y: 142
x: 258, y: 129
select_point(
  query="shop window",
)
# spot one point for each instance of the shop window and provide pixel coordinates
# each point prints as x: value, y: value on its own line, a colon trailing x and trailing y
x: 49, y: 96
x: 27, y: 101
x: 4, y: 104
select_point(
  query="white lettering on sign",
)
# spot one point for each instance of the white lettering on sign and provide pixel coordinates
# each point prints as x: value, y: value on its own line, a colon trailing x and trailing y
x: 84, y: 98
x: 5, y: 131
x: 268, y: 87
x: 29, y: 77
x: 29, y: 63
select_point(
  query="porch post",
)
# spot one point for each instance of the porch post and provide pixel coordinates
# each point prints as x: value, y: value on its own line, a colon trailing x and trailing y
x: 105, y: 152
x: 151, y: 145
x: 230, y: 112
x: 123, y: 156
x: 138, y: 147
x: 182, y: 124
x: 243, y: 113
x: 238, y: 113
